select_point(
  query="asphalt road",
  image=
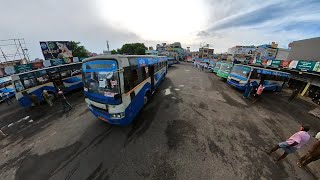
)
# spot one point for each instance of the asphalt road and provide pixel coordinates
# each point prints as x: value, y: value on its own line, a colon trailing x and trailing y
x: 195, y: 127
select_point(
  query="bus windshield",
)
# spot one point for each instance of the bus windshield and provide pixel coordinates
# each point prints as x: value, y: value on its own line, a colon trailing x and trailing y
x: 217, y: 66
x: 225, y: 67
x: 242, y: 71
x: 101, y: 79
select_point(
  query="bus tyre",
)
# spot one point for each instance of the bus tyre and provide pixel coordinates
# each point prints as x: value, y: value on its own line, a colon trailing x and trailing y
x: 146, y: 98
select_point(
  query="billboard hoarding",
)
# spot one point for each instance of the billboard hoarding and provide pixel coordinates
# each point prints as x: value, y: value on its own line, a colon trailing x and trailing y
x: 56, y: 49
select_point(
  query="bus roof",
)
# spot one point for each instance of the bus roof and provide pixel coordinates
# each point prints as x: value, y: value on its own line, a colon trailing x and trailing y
x: 118, y: 56
x: 265, y: 70
x: 46, y: 68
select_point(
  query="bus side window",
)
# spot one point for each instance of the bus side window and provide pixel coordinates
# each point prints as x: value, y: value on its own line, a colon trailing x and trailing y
x: 128, y: 82
x: 65, y: 74
x: 42, y: 77
x: 28, y: 80
x: 18, y: 85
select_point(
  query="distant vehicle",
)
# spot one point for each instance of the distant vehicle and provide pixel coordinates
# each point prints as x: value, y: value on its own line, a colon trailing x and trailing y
x: 66, y: 76
x: 217, y: 67
x: 211, y: 66
x: 272, y: 80
x: 224, y: 70
x: 6, y: 87
x: 172, y: 61
x: 117, y: 87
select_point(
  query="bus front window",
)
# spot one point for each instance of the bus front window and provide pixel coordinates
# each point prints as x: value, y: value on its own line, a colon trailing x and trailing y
x: 104, y: 83
x: 241, y: 71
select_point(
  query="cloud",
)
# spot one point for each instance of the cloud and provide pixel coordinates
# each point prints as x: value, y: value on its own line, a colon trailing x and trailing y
x: 203, y: 34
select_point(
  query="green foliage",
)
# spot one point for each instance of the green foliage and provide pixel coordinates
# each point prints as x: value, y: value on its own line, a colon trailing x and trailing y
x: 78, y: 50
x: 114, y: 52
x: 131, y: 49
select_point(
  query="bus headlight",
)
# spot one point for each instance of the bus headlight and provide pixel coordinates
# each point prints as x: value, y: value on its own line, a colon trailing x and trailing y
x: 118, y: 115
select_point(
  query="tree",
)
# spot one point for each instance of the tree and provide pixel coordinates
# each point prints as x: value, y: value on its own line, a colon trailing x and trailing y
x: 133, y: 49
x: 114, y: 52
x: 78, y: 50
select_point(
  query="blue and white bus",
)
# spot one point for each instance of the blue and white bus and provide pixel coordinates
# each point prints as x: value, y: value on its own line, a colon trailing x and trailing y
x: 172, y: 61
x: 272, y: 80
x: 116, y: 87
x: 66, y: 77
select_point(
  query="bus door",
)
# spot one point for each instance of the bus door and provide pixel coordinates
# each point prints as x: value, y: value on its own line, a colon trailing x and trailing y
x: 151, y: 74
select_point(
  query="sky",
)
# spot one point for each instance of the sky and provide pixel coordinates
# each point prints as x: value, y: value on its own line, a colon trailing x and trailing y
x: 220, y: 23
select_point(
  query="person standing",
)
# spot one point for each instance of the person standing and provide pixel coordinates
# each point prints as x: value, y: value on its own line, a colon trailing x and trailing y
x: 294, y: 94
x: 312, y: 155
x: 65, y: 104
x: 248, y: 89
x: 295, y: 142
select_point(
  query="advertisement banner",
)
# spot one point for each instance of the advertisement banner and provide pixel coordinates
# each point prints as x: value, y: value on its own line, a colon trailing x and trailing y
x: 2, y: 72
x: 37, y: 65
x: 23, y: 68
x: 56, y: 62
x: 258, y: 61
x: 269, y: 54
x: 56, y: 50
x: 306, y: 65
x: 285, y: 63
x: 275, y: 63
x: 317, y: 67
x: 264, y: 62
x: 293, y: 64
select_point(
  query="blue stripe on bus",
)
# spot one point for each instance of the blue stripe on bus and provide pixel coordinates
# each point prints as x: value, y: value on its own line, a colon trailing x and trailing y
x: 131, y: 111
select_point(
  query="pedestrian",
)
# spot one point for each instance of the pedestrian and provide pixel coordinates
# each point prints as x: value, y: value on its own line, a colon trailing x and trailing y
x: 292, y: 144
x: 34, y: 100
x: 294, y: 94
x: 202, y: 66
x: 48, y: 97
x: 248, y: 89
x: 259, y: 91
x: 64, y: 102
x: 312, y: 155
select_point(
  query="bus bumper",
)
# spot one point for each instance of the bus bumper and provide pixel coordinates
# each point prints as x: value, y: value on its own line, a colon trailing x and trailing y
x: 104, y: 116
x: 241, y: 87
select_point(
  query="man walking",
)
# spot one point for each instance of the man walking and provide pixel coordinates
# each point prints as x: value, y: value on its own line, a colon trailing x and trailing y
x: 248, y: 89
x: 312, y: 155
x: 65, y: 104
x: 292, y: 144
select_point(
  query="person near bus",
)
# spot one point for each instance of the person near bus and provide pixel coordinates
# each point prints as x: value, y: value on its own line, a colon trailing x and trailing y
x: 259, y: 91
x: 295, y: 142
x: 294, y: 94
x: 47, y: 97
x: 312, y: 155
x: 34, y: 100
x: 248, y: 89
x: 64, y: 102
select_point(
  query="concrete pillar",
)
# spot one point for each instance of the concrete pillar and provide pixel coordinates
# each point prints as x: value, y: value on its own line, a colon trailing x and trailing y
x: 305, y: 89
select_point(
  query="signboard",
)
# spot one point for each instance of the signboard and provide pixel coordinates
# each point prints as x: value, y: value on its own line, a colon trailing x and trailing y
x: 37, y: 65
x: 285, y: 63
x: 56, y: 50
x: 293, y: 64
x: 275, y: 63
x: 23, y: 68
x: 258, y: 61
x: 55, y: 62
x: 269, y: 54
x: 317, y: 67
x: 306, y: 65
x: 2, y: 72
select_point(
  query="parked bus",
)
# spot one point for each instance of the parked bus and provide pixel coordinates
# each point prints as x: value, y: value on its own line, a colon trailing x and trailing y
x: 116, y: 87
x: 211, y: 66
x: 172, y: 61
x: 66, y: 77
x: 217, y: 67
x: 224, y: 70
x: 6, y: 87
x: 272, y: 80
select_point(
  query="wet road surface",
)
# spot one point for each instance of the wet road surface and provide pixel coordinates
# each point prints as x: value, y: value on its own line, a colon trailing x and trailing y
x: 195, y: 127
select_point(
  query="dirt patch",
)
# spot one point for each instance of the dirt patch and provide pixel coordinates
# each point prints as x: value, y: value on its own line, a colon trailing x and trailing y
x: 178, y: 132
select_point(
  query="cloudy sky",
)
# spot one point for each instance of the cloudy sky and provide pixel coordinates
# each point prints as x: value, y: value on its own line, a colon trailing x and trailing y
x: 221, y: 23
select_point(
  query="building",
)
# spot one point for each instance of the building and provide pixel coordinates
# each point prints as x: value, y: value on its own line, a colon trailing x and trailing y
x: 206, y: 52
x: 307, y: 50
x: 304, y: 58
x: 171, y: 50
x: 152, y: 52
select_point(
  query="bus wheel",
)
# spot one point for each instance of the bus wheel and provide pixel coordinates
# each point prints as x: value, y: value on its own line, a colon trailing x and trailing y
x: 146, y: 98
